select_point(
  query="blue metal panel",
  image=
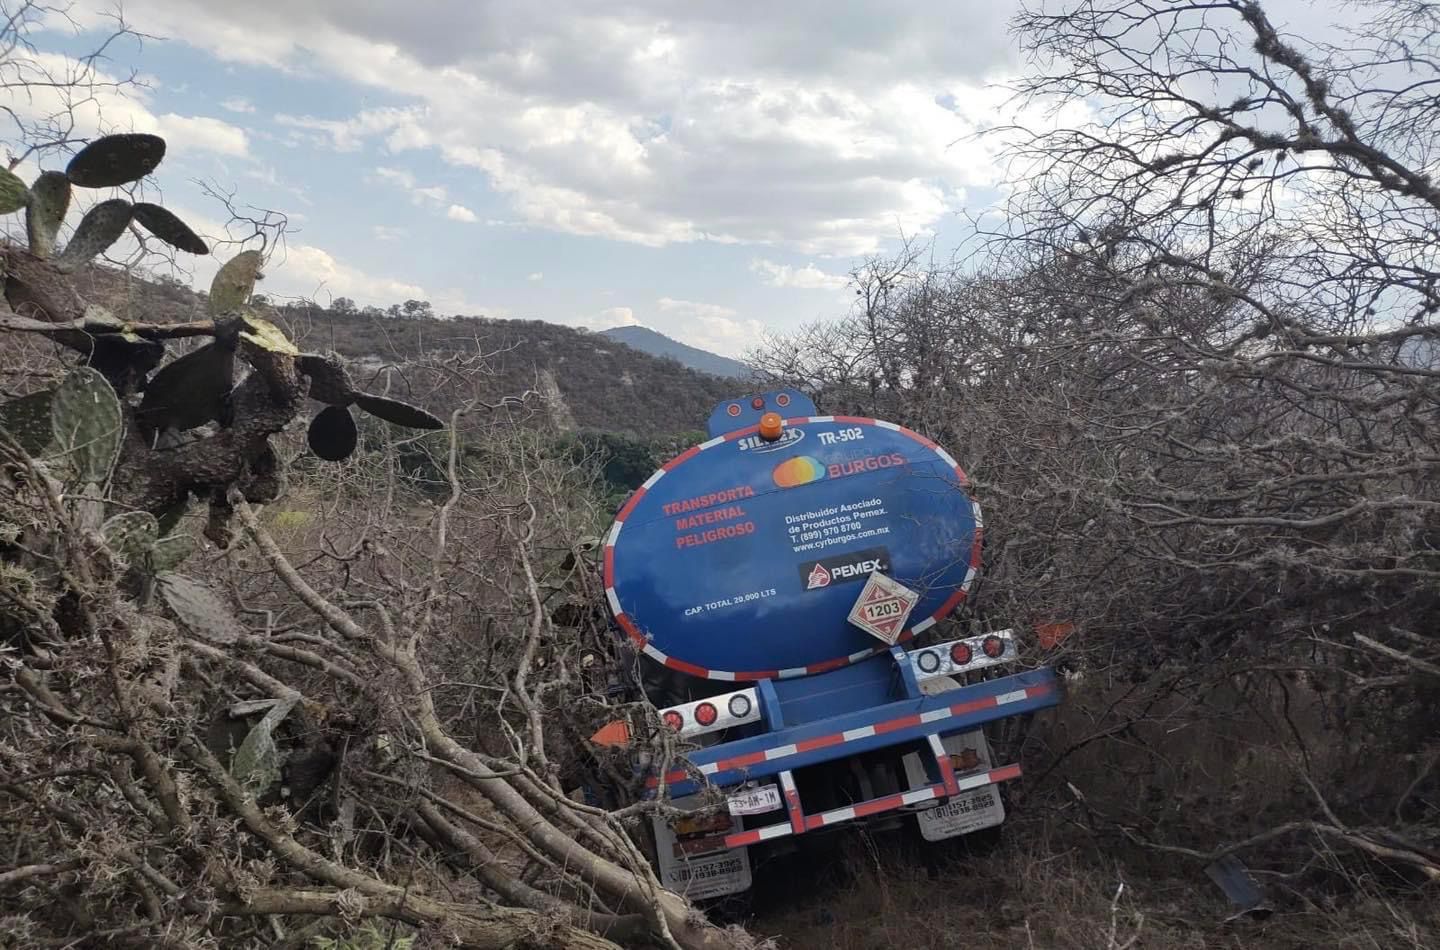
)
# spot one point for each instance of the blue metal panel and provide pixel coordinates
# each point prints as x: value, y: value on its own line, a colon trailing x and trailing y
x: 757, y: 746
x: 859, y: 686
x: 772, y: 713
x: 909, y: 682
x: 742, y: 413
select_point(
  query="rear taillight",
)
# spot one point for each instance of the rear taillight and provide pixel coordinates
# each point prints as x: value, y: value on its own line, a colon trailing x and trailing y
x: 964, y: 656
x: 715, y: 713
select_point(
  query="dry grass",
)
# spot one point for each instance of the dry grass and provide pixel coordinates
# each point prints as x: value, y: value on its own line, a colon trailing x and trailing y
x: 1040, y: 894
x: 1198, y: 773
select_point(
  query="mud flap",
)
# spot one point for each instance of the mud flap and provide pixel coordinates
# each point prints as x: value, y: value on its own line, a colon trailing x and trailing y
x: 969, y: 811
x: 692, y: 856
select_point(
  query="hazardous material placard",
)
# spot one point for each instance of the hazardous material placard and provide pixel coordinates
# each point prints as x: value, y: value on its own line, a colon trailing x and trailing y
x: 882, y: 607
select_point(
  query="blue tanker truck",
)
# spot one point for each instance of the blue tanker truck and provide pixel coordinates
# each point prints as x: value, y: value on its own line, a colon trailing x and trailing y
x: 792, y: 579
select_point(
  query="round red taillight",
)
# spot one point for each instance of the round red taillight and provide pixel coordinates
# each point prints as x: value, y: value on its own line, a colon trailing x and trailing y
x: 740, y: 706
x: 674, y: 720
x: 706, y: 714
x: 960, y: 654
x: 757, y: 403
x: 782, y: 400
x: 994, y: 647
x: 733, y: 409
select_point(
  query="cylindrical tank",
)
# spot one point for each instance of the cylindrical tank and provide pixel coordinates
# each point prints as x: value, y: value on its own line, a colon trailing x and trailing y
x: 742, y: 558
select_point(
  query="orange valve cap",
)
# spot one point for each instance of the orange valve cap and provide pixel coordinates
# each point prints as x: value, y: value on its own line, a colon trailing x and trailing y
x: 771, y: 425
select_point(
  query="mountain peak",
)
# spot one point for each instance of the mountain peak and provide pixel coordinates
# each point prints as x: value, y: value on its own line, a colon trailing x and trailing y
x: 650, y: 341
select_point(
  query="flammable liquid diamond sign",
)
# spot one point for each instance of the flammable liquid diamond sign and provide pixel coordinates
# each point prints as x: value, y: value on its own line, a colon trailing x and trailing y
x: 883, y: 607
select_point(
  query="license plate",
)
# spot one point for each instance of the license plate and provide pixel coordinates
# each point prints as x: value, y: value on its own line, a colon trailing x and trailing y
x: 754, y: 801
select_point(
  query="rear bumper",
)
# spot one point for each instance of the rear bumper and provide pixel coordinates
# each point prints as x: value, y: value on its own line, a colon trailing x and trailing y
x: 784, y: 750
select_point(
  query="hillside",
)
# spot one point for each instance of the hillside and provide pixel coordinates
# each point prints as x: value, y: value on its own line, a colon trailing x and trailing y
x: 610, y: 387
x: 604, y: 384
x: 649, y: 341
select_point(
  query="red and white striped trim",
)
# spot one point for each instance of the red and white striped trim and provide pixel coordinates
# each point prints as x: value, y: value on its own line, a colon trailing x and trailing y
x: 942, y: 759
x: 852, y: 735
x: 875, y: 806
x: 643, y: 642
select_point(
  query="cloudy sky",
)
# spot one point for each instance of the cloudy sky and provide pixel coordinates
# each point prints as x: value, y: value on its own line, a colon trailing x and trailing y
x: 706, y: 169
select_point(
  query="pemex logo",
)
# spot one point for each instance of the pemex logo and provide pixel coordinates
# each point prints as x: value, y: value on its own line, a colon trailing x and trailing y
x: 819, y: 577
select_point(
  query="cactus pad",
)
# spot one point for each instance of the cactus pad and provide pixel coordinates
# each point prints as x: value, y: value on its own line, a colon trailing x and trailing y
x: 101, y: 227
x: 116, y: 159
x: 131, y: 534
x: 86, y: 423
x: 266, y: 335
x: 190, y: 391
x: 197, y: 607
x: 400, y: 413
x: 27, y: 419
x: 257, y: 762
x: 332, y: 434
x: 13, y: 193
x: 329, y: 382
x: 167, y: 227
x: 49, y: 200
x: 234, y: 282
x: 166, y: 554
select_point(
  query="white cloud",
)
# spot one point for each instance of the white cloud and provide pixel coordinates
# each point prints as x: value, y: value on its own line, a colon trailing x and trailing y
x: 536, y: 277
x: 385, y: 232
x: 237, y: 104
x: 608, y: 318
x: 691, y: 308
x: 308, y: 271
x: 102, y: 108
x: 202, y: 133
x: 808, y: 277
x: 709, y: 326
x: 619, y: 317
x: 396, y: 175
x: 655, y: 124
x: 434, y: 196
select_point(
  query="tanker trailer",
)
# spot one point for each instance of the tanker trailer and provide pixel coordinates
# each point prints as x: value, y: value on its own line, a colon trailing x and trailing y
x: 779, y: 575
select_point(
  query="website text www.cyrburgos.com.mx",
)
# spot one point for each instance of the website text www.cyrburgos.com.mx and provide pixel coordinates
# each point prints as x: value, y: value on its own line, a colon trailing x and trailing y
x: 841, y: 539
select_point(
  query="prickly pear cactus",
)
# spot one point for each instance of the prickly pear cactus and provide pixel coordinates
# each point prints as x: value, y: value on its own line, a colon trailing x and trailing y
x: 131, y: 534
x: 329, y: 382
x: 266, y: 335
x: 115, y: 160
x: 167, y: 554
x: 101, y: 227
x: 234, y: 283
x: 86, y: 423
x: 49, y: 200
x: 332, y: 434
x: 13, y: 193
x: 167, y: 227
x: 197, y: 607
x: 257, y: 761
x: 400, y: 413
